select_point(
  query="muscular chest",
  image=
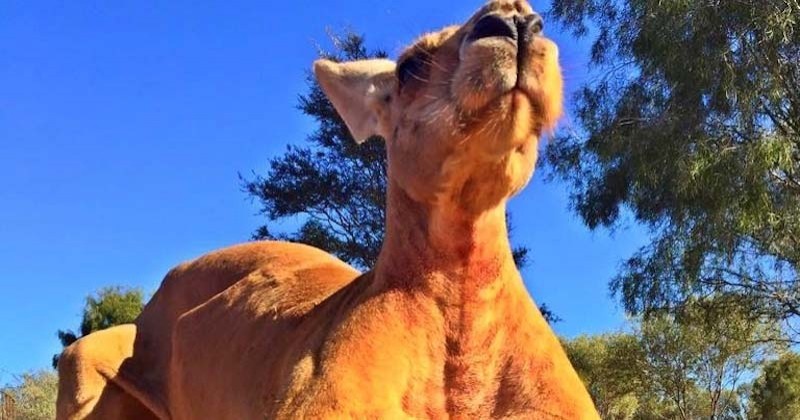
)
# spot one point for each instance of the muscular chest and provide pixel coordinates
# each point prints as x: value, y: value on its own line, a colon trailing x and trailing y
x: 405, y: 357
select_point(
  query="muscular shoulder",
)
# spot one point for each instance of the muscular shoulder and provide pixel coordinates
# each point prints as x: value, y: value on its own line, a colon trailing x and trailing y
x: 285, y: 270
x: 286, y: 278
x: 252, y: 255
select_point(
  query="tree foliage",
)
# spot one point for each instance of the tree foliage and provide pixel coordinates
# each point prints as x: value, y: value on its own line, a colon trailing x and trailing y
x: 110, y: 306
x: 776, y: 394
x: 609, y: 367
x: 691, y: 121
x: 697, y: 361
x: 688, y: 367
x: 33, y: 397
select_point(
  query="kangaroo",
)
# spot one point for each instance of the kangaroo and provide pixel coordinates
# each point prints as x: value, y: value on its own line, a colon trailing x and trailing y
x: 441, y: 327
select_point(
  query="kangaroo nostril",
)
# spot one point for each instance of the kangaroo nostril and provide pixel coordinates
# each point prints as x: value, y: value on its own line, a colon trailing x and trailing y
x: 493, y: 26
x: 528, y: 26
x: 536, y: 23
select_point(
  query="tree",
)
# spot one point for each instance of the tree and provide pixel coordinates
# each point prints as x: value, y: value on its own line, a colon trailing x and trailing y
x: 609, y: 366
x: 686, y: 366
x: 696, y: 361
x: 110, y: 306
x: 776, y: 394
x: 338, y: 187
x: 691, y: 122
x: 34, y: 396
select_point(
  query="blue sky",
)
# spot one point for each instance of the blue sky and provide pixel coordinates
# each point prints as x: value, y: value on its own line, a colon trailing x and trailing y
x: 123, y: 126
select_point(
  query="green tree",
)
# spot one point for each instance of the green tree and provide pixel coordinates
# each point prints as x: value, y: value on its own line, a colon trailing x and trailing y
x: 688, y: 366
x: 34, y: 396
x: 695, y: 362
x: 691, y: 122
x: 110, y: 306
x: 338, y: 187
x: 610, y: 366
x: 776, y: 394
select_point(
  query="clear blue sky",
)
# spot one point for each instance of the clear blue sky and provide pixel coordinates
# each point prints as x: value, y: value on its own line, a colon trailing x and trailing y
x: 123, y: 126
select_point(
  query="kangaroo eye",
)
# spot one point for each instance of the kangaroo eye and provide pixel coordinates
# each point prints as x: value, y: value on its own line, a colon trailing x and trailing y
x: 410, y: 69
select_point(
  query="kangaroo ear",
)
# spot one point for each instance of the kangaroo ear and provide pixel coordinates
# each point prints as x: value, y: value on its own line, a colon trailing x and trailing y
x: 359, y: 92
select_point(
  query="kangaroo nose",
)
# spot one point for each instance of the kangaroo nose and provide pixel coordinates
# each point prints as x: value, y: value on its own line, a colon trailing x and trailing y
x: 493, y: 26
x: 514, y: 27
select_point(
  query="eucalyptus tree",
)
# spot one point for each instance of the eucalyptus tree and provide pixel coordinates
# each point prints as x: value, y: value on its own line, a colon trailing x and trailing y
x: 690, y: 122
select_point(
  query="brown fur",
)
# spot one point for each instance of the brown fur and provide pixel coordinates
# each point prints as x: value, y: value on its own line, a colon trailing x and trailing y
x: 441, y: 327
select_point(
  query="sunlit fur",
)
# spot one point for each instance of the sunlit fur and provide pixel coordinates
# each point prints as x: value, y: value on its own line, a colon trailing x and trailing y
x: 441, y: 327
x: 469, y: 123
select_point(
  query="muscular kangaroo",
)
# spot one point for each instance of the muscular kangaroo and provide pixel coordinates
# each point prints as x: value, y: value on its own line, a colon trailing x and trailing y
x: 441, y: 327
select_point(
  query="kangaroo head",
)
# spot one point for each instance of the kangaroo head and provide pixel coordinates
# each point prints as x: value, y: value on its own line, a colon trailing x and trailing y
x: 462, y: 109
